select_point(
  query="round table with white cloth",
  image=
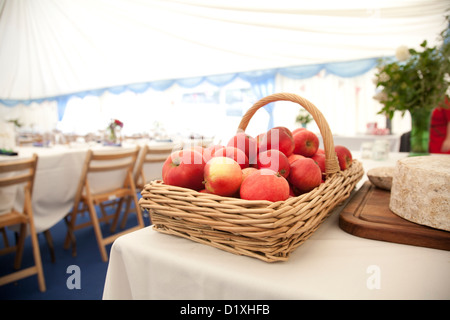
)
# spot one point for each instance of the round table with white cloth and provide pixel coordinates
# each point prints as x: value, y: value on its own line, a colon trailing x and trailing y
x: 56, y: 181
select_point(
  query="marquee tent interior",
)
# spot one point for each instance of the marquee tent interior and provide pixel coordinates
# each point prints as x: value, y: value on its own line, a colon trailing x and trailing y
x: 188, y: 68
x: 195, y: 65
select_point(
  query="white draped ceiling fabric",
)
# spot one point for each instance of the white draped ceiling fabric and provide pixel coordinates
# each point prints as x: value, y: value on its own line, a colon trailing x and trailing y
x: 58, y: 49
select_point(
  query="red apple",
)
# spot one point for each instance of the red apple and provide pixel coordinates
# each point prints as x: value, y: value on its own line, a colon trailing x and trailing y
x: 294, y: 157
x: 319, y: 158
x: 320, y: 151
x: 279, y: 138
x: 294, y: 192
x: 275, y: 160
x: 208, y: 152
x: 234, y: 153
x: 265, y: 184
x: 344, y: 157
x: 248, y: 171
x: 184, y: 168
x: 306, y: 143
x: 259, y: 138
x: 291, y: 191
x: 223, y: 176
x: 246, y: 143
x: 305, y: 175
x: 297, y: 130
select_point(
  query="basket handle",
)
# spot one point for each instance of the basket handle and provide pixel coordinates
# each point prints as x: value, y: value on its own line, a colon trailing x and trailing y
x: 331, y: 161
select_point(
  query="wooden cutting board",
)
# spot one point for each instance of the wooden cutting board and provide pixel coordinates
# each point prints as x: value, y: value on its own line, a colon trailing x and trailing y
x: 367, y: 215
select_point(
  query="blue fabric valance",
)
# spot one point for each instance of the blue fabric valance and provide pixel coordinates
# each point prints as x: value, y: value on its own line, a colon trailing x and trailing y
x: 260, y: 80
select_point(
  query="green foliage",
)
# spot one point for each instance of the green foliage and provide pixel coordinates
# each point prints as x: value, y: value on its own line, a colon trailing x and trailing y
x: 303, y: 117
x: 16, y: 122
x: 420, y: 81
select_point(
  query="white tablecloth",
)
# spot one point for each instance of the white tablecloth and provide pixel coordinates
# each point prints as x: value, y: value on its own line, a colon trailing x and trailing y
x: 57, y: 177
x: 332, y: 264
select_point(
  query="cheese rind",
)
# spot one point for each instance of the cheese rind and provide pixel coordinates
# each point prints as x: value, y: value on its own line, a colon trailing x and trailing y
x: 420, y: 190
x: 381, y: 177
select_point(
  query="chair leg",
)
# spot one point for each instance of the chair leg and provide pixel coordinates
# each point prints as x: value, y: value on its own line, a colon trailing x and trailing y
x: 97, y: 231
x: 35, y: 244
x: 116, y: 215
x: 5, y: 237
x: 37, y: 258
x: 138, y: 211
x: 20, y: 245
x: 125, y: 215
x: 70, y: 235
x: 103, y: 211
x: 49, y: 239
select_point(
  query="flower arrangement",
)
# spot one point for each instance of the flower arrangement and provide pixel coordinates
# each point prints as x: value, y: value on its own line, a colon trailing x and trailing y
x: 303, y: 117
x: 418, y: 82
x: 114, y: 126
x: 415, y: 80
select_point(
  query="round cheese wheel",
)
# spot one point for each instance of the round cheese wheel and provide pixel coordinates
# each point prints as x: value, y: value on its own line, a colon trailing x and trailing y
x: 420, y: 190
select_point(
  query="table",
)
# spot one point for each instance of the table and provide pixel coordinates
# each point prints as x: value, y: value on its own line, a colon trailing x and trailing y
x: 354, y: 142
x: 57, y: 177
x: 331, y: 264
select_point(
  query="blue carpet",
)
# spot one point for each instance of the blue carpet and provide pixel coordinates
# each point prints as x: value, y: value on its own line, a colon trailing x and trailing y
x: 92, y: 268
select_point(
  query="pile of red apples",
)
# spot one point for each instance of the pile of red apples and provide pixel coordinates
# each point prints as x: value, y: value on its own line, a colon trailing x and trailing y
x: 274, y: 166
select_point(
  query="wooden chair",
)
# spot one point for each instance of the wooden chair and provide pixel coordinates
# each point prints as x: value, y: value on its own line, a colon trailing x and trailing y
x: 21, y: 173
x: 151, y: 157
x: 86, y: 199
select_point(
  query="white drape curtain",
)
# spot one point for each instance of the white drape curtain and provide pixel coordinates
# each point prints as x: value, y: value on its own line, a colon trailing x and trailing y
x: 35, y: 117
x: 65, y: 50
x: 346, y: 103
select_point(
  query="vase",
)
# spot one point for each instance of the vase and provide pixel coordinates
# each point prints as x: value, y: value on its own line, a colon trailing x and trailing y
x: 113, y: 137
x: 420, y: 131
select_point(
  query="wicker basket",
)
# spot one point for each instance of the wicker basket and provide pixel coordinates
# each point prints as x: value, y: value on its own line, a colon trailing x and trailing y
x: 266, y: 230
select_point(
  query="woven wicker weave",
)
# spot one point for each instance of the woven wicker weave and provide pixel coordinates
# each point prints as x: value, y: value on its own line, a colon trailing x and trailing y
x: 266, y: 230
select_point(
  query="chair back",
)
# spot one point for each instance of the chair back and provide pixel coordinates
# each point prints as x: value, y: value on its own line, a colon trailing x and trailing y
x: 104, y: 171
x: 150, y: 164
x: 12, y: 175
